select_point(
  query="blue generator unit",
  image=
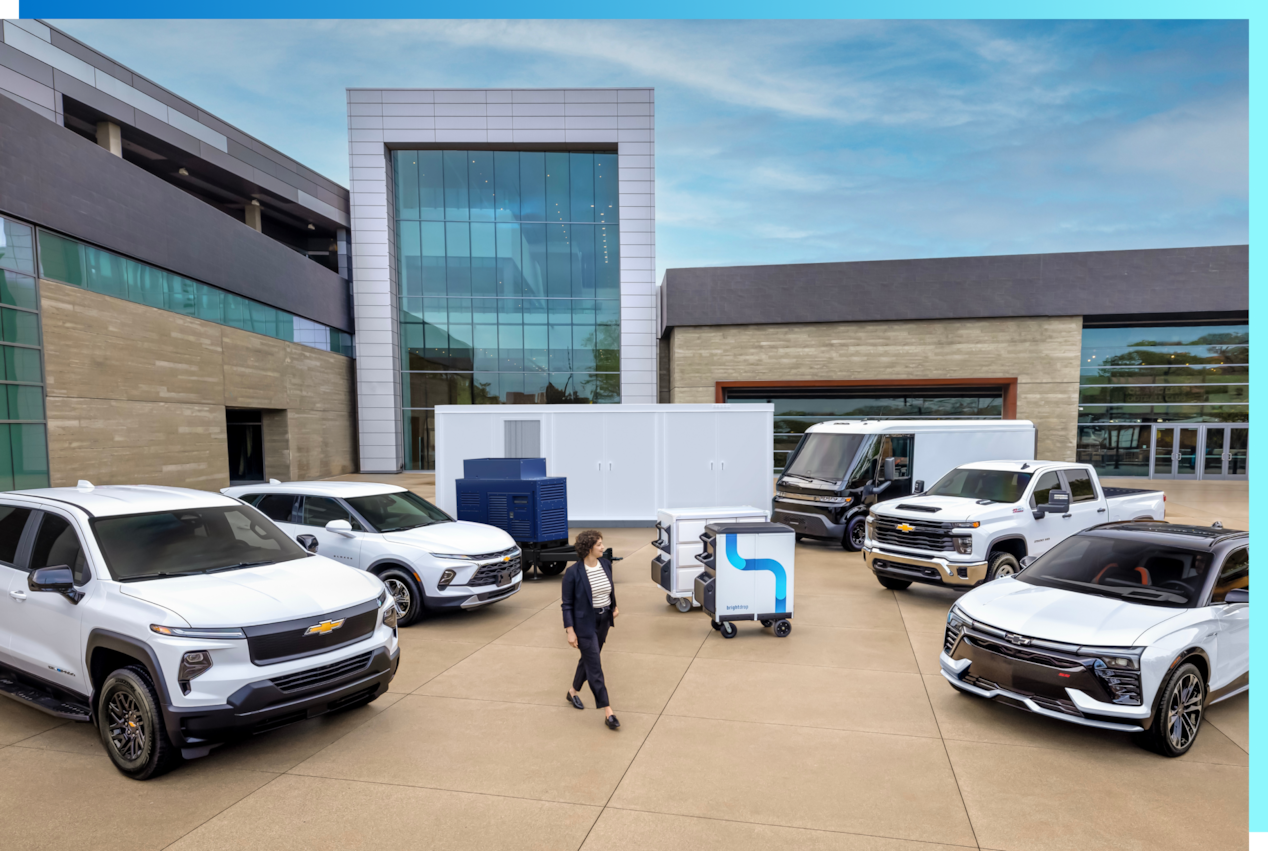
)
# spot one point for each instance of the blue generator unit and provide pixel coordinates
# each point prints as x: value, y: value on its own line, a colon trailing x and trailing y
x: 516, y: 495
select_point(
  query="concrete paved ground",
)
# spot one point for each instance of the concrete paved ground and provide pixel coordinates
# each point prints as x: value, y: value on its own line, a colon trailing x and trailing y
x: 841, y: 736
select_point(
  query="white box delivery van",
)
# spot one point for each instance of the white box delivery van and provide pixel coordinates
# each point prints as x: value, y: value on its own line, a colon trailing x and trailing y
x: 841, y: 468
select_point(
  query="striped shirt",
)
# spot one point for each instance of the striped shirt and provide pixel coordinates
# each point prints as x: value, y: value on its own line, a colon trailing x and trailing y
x: 600, y: 587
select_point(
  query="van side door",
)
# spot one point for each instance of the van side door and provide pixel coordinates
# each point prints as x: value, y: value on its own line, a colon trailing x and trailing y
x: 898, y: 447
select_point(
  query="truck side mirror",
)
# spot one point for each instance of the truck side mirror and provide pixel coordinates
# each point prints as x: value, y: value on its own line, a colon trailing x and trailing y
x: 1238, y: 595
x: 918, y: 486
x: 340, y: 527
x: 308, y: 542
x: 1058, y: 503
x: 889, y: 469
x: 57, y: 579
x: 1027, y: 561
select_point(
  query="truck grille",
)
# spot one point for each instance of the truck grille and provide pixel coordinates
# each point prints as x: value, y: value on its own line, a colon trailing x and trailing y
x: 488, y: 574
x: 924, y: 534
x: 1022, y: 654
x: 314, y: 677
x: 280, y: 642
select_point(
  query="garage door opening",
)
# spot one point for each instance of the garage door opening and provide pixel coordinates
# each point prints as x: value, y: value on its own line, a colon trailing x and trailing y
x: 799, y: 405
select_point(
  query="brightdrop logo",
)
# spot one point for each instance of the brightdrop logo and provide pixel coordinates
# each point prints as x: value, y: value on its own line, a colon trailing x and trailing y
x: 736, y: 608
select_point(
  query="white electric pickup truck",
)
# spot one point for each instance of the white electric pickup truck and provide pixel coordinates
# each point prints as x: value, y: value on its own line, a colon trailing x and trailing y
x: 175, y: 620
x: 985, y: 520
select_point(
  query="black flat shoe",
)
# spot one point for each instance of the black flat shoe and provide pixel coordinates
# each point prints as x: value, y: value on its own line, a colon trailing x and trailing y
x: 612, y: 723
x: 575, y: 700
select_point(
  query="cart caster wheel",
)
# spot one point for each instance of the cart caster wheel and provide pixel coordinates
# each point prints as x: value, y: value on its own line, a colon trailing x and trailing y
x: 782, y: 628
x: 728, y: 629
x: 766, y: 623
x: 715, y: 625
x: 669, y: 598
x: 800, y: 538
x: 683, y: 604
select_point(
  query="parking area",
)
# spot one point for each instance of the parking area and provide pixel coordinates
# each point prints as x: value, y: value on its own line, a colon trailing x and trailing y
x: 841, y: 736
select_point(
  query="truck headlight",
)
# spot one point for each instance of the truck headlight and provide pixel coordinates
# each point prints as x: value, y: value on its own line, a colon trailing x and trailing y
x: 195, y: 663
x: 446, y: 578
x: 963, y: 544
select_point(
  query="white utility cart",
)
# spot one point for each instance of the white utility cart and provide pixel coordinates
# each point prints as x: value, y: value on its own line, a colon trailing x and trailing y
x: 748, y: 575
x: 677, y: 543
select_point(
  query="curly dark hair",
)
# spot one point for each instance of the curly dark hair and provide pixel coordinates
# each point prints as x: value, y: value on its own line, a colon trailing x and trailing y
x: 586, y: 541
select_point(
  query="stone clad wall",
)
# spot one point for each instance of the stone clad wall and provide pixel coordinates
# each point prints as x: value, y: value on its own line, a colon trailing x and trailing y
x: 1042, y: 353
x: 136, y: 395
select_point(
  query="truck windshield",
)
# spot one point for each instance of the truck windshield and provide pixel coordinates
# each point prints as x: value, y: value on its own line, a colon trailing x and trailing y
x: 1135, y: 570
x: 824, y: 456
x: 994, y: 485
x: 191, y: 540
x: 395, y: 512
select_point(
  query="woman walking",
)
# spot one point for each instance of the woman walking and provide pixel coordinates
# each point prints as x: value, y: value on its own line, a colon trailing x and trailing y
x: 589, y: 605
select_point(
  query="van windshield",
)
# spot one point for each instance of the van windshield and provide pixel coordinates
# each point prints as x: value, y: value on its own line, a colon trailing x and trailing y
x: 994, y: 485
x: 191, y: 540
x: 824, y: 456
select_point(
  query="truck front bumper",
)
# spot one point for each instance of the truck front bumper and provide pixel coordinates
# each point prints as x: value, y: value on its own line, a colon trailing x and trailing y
x: 268, y: 704
x: 928, y: 569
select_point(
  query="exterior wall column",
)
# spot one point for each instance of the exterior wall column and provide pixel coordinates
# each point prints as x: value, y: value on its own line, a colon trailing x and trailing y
x: 254, y: 216
x: 109, y: 137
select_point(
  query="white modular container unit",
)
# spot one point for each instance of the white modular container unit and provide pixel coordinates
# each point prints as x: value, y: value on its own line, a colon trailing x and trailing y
x: 678, y: 531
x: 622, y: 462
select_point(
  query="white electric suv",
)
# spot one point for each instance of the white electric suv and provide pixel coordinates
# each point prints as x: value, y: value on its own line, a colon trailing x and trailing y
x: 1136, y: 627
x: 428, y: 560
x: 177, y: 619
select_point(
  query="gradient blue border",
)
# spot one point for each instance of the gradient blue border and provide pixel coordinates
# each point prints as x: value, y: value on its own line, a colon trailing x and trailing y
x: 803, y: 9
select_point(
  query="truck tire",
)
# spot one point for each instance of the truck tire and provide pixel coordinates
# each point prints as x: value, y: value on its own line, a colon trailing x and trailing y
x: 1002, y: 564
x: 855, y: 533
x: 1178, y: 712
x: 894, y: 584
x: 130, y: 722
x: 409, y: 597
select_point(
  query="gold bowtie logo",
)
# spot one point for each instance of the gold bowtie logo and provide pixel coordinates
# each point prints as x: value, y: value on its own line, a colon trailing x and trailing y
x: 906, y: 527
x: 324, y: 627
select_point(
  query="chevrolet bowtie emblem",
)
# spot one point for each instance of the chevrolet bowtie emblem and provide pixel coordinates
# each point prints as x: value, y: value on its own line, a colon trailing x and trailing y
x: 906, y: 527
x: 506, y: 558
x: 324, y: 627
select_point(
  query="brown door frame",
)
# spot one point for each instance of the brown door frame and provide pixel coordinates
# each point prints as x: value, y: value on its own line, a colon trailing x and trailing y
x: 1007, y: 385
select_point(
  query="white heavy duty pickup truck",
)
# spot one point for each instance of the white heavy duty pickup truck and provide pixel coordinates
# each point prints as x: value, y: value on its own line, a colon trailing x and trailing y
x: 986, y: 520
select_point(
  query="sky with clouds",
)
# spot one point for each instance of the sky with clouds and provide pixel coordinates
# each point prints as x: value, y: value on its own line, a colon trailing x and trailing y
x: 802, y: 141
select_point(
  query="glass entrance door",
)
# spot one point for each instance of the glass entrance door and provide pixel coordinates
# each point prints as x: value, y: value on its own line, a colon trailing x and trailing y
x: 1200, y: 452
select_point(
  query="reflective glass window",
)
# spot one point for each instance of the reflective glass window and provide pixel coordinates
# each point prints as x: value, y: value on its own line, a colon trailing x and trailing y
x: 61, y: 259
x: 482, y: 185
x: 457, y: 199
x: 581, y: 180
x: 406, y: 173
x: 17, y: 290
x: 558, y: 197
x: 17, y: 247
x: 506, y: 167
x: 431, y: 184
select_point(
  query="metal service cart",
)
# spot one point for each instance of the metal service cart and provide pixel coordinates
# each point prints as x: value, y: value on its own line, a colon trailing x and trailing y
x: 748, y: 575
x: 678, y: 531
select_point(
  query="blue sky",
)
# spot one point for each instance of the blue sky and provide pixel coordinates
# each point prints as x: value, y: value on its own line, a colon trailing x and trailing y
x: 803, y: 141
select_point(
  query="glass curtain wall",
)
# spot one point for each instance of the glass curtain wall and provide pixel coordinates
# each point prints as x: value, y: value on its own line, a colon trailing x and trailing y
x: 508, y: 272
x: 797, y: 411
x: 23, y: 428
x: 70, y: 262
x: 1132, y: 378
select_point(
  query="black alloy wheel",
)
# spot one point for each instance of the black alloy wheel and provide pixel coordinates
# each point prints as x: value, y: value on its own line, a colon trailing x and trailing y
x: 405, y: 592
x: 130, y: 724
x: 1177, y: 712
x: 855, y: 533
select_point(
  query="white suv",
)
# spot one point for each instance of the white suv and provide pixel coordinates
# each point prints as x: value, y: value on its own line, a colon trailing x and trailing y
x: 177, y: 619
x: 428, y: 560
x: 1136, y: 627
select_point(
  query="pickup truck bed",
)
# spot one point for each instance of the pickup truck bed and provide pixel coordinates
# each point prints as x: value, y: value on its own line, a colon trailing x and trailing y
x: 1111, y: 493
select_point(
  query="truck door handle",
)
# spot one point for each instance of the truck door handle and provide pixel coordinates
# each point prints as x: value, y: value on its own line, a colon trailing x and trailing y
x: 18, y: 595
x: 1066, y: 516
x: 1100, y: 511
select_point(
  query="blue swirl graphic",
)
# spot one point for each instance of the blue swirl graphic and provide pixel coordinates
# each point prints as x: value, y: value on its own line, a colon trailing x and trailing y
x: 781, y: 579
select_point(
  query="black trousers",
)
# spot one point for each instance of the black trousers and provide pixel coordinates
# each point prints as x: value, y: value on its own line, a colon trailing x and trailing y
x: 589, y: 668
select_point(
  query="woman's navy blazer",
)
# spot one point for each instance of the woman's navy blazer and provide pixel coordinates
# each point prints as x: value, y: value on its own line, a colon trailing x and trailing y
x: 578, y: 599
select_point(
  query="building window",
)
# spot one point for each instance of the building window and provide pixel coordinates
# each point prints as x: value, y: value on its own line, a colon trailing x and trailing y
x: 796, y: 409
x: 1135, y: 381
x: 508, y: 271
x: 23, y: 427
x: 70, y: 262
